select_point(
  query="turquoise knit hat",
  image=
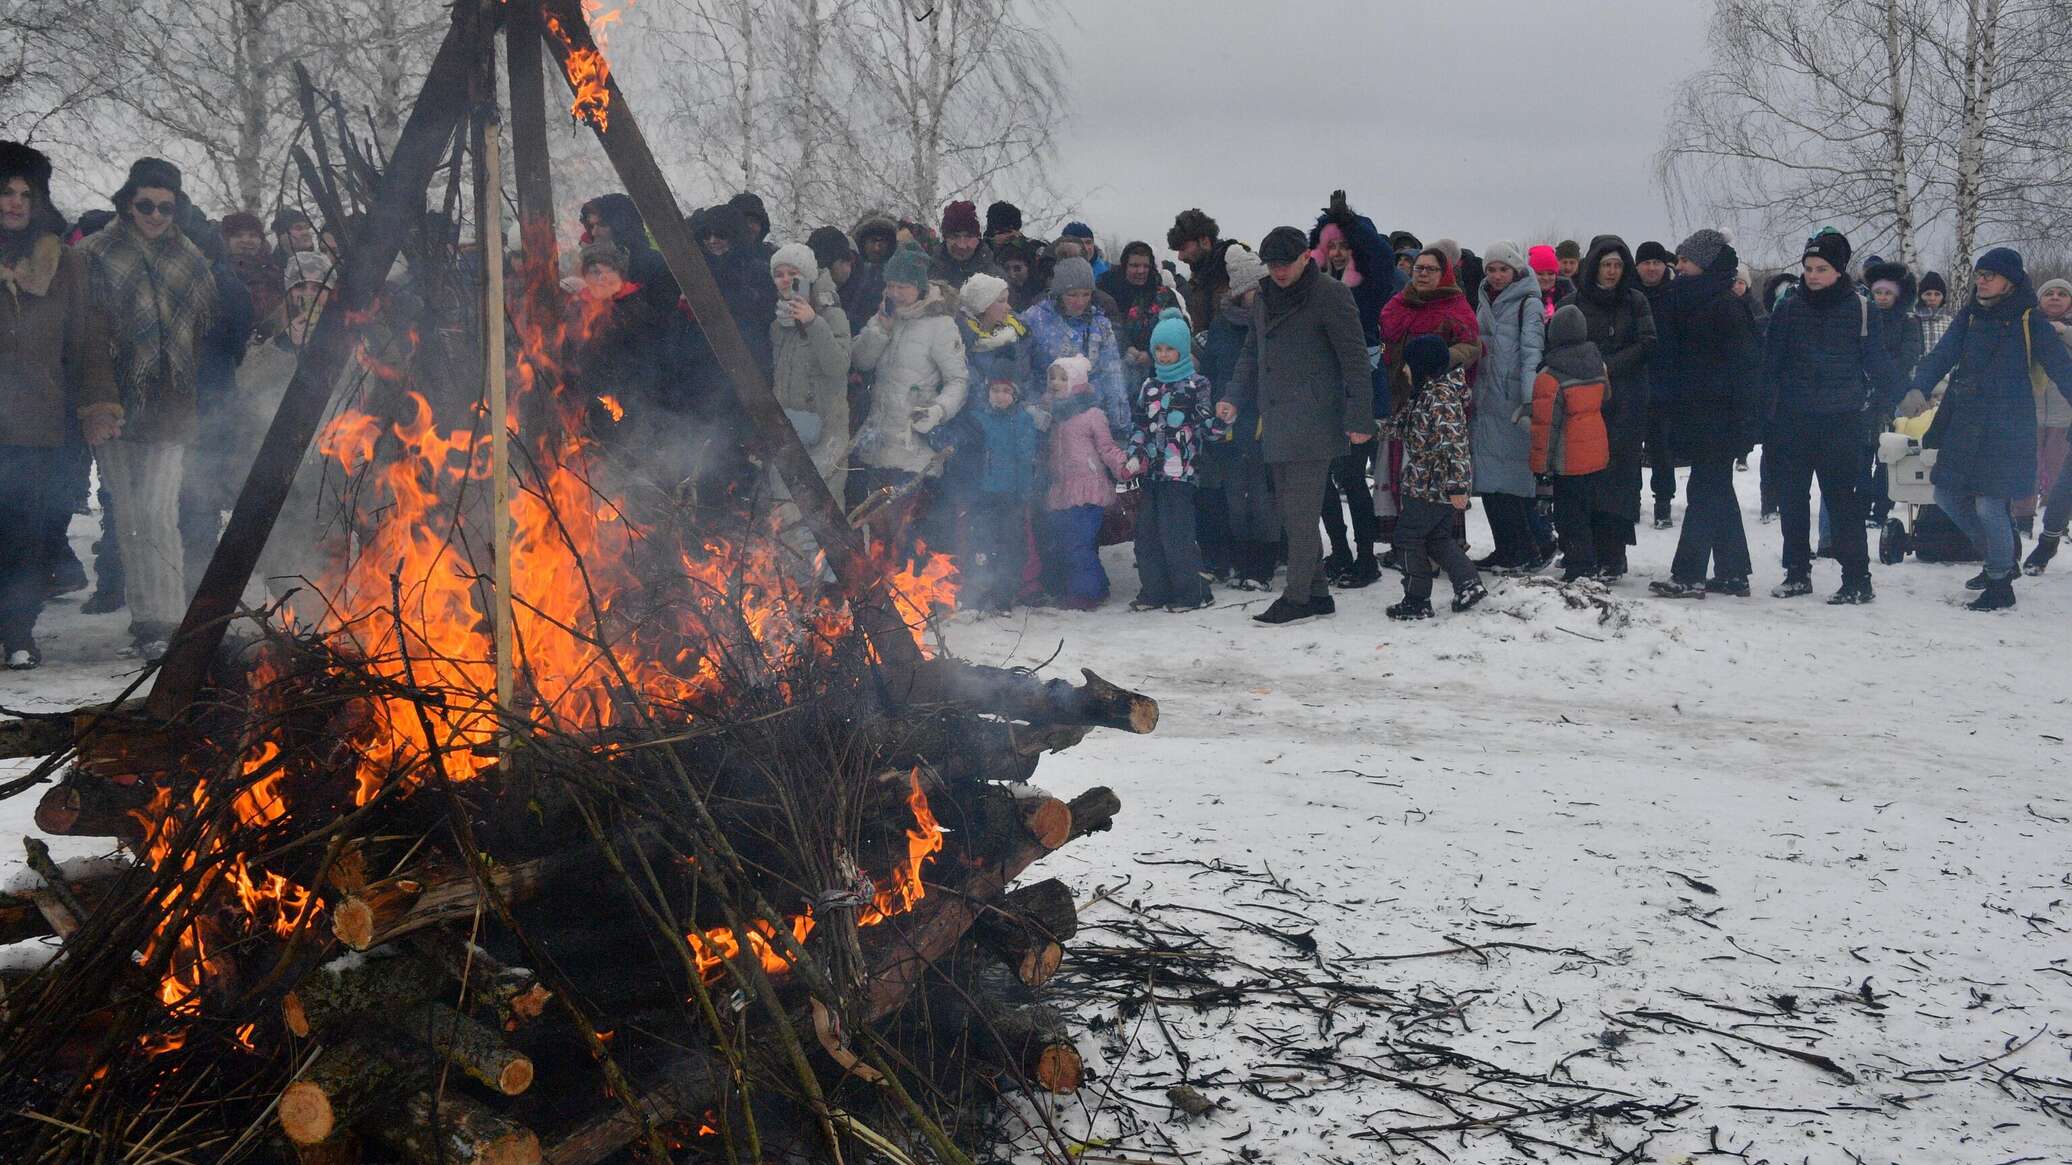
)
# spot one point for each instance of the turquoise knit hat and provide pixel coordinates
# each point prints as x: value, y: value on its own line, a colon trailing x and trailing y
x: 1172, y: 332
x: 908, y: 265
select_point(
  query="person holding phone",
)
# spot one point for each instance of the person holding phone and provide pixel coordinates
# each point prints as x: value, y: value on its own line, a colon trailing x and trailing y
x: 912, y: 347
x: 810, y: 342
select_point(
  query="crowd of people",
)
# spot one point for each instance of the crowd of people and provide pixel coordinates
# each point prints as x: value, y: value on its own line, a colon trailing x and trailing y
x: 1328, y: 403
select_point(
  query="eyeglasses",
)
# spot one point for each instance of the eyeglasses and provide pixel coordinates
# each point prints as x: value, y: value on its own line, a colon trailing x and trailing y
x: 1426, y: 269
x: 148, y: 208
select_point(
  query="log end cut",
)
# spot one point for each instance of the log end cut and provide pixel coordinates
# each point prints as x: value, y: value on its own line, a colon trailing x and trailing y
x: 1059, y: 1069
x: 306, y: 1114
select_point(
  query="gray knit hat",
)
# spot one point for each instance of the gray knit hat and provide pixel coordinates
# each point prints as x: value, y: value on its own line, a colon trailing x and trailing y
x: 1246, y: 269
x: 1504, y: 251
x: 797, y: 255
x: 1073, y: 274
x: 1702, y: 247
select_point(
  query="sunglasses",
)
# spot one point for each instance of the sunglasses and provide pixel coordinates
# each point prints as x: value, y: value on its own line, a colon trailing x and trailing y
x: 148, y: 208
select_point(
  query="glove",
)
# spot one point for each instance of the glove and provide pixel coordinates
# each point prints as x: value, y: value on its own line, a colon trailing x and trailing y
x: 1338, y: 205
x: 1913, y: 404
x: 100, y: 423
x: 925, y: 420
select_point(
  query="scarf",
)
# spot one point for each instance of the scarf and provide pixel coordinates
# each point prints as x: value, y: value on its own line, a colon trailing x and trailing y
x: 158, y: 298
x: 1177, y: 371
x: 33, y: 269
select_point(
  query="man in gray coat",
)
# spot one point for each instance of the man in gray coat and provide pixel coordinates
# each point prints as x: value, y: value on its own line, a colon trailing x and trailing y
x: 1304, y: 366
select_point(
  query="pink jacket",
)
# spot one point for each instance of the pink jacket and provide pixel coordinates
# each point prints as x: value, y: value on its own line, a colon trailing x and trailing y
x: 1085, y: 462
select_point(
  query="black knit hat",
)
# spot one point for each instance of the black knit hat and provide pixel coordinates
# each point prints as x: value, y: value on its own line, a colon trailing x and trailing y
x: 1830, y: 245
x: 148, y: 172
x: 1933, y: 281
x: 29, y: 164
x: 751, y: 207
x: 830, y: 246
x: 1283, y: 245
x: 1653, y: 250
x: 1003, y: 216
x: 1426, y: 356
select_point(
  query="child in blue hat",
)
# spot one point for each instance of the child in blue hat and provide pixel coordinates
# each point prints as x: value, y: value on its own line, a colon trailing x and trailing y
x: 1172, y: 416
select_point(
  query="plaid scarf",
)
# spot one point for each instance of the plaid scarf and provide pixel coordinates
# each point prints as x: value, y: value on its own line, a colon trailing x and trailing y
x: 158, y: 298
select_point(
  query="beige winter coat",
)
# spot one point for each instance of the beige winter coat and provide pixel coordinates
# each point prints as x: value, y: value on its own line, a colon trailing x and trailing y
x: 812, y: 376
x: 921, y: 381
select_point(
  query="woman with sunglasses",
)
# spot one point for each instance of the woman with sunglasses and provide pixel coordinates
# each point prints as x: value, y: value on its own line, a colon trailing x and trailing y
x: 157, y: 294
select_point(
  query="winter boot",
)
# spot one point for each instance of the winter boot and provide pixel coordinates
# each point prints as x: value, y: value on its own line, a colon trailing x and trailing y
x: 1677, y: 589
x: 102, y: 602
x: 1736, y: 587
x: 1792, y: 587
x: 1465, y: 600
x: 1364, y: 572
x: 1979, y: 581
x: 1338, y: 562
x: 1284, y: 611
x: 2046, y: 549
x: 1998, y: 596
x: 1662, y: 521
x: 1410, y: 609
x: 1853, y: 594
x: 1323, y: 605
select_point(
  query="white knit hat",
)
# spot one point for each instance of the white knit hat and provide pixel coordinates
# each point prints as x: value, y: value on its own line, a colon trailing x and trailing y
x: 980, y: 292
x: 1246, y: 269
x: 797, y: 255
x: 1505, y: 251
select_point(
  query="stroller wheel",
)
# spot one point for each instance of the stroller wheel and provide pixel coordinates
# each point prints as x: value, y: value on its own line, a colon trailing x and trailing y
x: 1892, y: 544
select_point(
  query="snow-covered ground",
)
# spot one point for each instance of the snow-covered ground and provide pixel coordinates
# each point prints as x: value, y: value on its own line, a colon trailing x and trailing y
x: 1846, y: 832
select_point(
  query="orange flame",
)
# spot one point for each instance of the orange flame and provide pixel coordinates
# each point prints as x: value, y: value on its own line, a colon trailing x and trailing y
x: 589, y: 74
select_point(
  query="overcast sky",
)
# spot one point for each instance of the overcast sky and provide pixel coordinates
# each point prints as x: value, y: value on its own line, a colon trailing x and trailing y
x: 1480, y: 119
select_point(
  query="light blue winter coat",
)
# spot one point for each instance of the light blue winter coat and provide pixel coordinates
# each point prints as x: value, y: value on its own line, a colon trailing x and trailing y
x: 1513, y: 328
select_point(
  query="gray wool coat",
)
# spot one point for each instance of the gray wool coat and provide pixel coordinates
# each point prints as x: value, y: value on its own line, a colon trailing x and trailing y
x: 1304, y: 366
x: 1513, y: 328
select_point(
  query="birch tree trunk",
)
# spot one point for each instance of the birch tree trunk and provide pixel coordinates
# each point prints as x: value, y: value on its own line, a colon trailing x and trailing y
x: 1897, y: 97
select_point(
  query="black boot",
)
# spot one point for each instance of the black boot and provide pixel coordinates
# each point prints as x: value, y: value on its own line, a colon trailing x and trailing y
x: 2046, y: 549
x: 1662, y: 521
x: 1998, y: 596
x: 1853, y: 594
x: 1410, y: 609
x: 1283, y: 611
x: 1364, y: 572
x: 1792, y: 587
x: 1979, y: 581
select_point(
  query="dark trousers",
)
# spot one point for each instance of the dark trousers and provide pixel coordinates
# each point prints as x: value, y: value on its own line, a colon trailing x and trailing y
x: 29, y: 488
x: 1661, y: 462
x: 109, y: 576
x: 1298, y: 488
x: 1075, y: 537
x: 999, y: 550
x: 1712, y: 531
x: 1830, y: 448
x: 1168, y: 561
x: 1612, y: 534
x: 1424, y: 534
x: 1212, y: 529
x: 1348, y: 482
x: 1575, y: 497
x: 1255, y: 523
x: 1510, y: 527
x: 2057, y: 504
x: 1766, y: 479
x: 74, y: 468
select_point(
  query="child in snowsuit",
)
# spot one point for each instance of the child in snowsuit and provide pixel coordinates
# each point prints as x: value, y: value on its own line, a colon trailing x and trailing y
x: 1170, y: 419
x: 1437, y: 475
x: 1085, y: 464
x: 1004, y: 479
x: 1569, y: 440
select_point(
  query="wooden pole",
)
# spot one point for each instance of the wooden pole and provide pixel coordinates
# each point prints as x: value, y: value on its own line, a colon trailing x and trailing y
x: 499, y: 406
x: 770, y: 432
x: 369, y: 253
x: 531, y: 161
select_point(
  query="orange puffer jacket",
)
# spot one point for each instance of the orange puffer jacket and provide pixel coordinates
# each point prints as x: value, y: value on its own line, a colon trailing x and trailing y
x: 1568, y: 434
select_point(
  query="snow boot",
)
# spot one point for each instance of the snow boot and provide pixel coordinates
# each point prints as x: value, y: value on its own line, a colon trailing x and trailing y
x: 1978, y: 582
x: 1323, y: 605
x: 1464, y: 601
x: 1998, y: 596
x: 1364, y: 572
x: 1677, y: 589
x: 2046, y: 549
x: 1853, y: 594
x: 1792, y: 587
x: 1410, y: 609
x: 1284, y: 611
x: 1735, y: 587
x: 1662, y: 521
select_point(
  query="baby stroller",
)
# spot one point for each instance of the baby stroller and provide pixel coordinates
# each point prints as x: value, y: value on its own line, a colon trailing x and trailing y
x: 1916, y: 526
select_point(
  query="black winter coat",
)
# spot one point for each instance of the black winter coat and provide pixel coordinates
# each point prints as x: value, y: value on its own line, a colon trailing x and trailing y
x: 1826, y: 355
x: 1622, y: 325
x: 1707, y: 367
x: 1985, y: 430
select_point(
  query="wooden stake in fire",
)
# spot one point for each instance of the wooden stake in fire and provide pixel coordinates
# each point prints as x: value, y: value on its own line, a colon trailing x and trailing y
x: 498, y: 393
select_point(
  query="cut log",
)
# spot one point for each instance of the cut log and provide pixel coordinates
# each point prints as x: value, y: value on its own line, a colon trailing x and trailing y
x: 1027, y: 929
x: 1094, y: 811
x: 1032, y: 1043
x: 341, y: 1148
x: 453, y: 1129
x: 344, y: 1083
x: 42, y: 735
x: 515, y: 992
x: 1047, y: 819
x: 1019, y: 695
x: 467, y: 1045
x: 88, y: 804
x: 386, y: 910
x: 356, y: 985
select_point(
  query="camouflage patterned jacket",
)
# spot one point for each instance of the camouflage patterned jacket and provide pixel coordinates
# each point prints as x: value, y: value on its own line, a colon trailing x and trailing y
x: 1433, y: 427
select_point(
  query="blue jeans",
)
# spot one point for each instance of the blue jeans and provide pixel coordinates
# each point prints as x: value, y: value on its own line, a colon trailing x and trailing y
x: 1988, y: 522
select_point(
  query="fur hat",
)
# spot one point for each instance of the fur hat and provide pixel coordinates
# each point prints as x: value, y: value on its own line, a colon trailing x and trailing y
x: 1702, y: 247
x: 1653, y: 250
x: 1003, y: 216
x: 155, y: 172
x: 1568, y: 249
x: 285, y: 219
x: 1542, y: 260
x: 2002, y: 261
x: 797, y: 255
x: 908, y: 265
x: 1885, y: 271
x: 1190, y: 225
x: 980, y: 292
x: 599, y: 254
x: 830, y: 246
x: 960, y: 218
x: 1426, y: 356
x: 1506, y: 252
x: 1073, y: 274
x: 310, y: 267
x: 1245, y: 269
x: 244, y: 222
x: 29, y: 164
x: 1831, y: 246
x: 1282, y: 245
